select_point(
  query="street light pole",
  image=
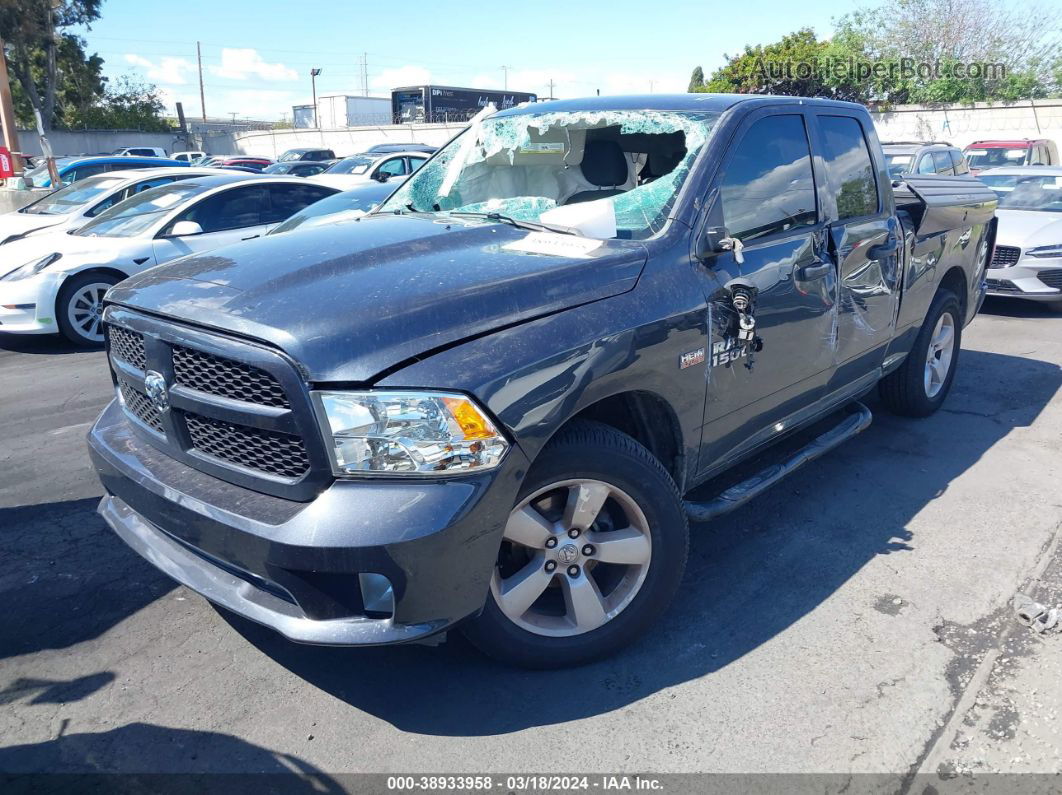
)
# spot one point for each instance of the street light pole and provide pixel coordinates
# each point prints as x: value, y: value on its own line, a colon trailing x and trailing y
x: 313, y: 85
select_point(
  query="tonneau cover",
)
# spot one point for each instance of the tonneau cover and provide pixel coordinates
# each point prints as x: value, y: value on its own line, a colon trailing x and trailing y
x: 938, y: 203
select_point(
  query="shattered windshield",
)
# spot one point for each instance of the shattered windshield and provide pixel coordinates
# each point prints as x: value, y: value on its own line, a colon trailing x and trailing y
x: 596, y: 173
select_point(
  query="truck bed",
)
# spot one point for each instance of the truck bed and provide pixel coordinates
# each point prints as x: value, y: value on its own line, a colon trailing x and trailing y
x: 938, y: 203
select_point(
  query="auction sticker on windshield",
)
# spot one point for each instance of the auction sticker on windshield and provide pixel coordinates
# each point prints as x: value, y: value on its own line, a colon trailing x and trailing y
x: 555, y: 245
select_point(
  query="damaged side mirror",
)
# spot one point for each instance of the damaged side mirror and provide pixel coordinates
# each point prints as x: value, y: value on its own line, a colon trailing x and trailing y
x: 716, y: 240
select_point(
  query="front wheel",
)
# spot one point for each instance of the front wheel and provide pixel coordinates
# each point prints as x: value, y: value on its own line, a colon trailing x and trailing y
x: 79, y: 308
x: 919, y: 386
x: 591, y: 555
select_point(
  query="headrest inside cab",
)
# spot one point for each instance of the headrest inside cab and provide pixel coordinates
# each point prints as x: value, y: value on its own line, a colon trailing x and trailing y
x: 556, y: 146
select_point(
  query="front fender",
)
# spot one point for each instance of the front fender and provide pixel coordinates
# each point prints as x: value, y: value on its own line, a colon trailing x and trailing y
x: 536, y: 376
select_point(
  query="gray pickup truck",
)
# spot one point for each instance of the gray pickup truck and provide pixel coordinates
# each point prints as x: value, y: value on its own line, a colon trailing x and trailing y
x: 487, y: 404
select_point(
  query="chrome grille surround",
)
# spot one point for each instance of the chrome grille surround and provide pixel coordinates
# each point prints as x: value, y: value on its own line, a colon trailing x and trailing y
x: 237, y: 410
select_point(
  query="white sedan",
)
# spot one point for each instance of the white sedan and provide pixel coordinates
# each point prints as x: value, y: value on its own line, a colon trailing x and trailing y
x: 81, y: 201
x: 392, y: 168
x: 55, y: 282
x: 1027, y: 261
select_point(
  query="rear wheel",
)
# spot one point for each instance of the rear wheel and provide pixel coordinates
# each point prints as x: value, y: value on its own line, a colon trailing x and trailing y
x: 919, y: 386
x: 79, y: 308
x: 591, y: 555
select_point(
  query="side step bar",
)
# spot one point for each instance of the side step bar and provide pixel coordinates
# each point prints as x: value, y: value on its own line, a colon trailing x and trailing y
x: 737, y: 495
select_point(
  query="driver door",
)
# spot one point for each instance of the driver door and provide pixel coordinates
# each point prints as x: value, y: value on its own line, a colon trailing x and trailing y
x: 766, y: 196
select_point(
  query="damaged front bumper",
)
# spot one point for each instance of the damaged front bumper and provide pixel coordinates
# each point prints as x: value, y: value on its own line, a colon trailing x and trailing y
x: 300, y: 567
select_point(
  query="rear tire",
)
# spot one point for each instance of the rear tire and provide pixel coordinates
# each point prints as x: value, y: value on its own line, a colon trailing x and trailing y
x: 586, y: 597
x: 79, y: 308
x: 921, y: 384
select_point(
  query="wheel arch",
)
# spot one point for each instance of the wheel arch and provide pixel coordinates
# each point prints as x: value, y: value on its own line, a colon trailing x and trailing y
x: 647, y: 418
x: 955, y: 280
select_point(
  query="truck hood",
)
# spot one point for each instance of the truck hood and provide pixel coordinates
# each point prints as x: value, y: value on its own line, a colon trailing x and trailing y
x: 1028, y: 228
x: 350, y: 301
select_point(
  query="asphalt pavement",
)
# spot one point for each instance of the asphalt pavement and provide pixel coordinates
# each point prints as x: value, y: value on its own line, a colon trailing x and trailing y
x: 854, y: 620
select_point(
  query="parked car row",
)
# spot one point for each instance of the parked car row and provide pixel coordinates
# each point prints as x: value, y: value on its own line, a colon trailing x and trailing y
x: 1027, y: 177
x: 118, y: 224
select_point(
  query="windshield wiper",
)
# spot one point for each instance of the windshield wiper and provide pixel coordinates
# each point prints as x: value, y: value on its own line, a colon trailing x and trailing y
x: 536, y: 226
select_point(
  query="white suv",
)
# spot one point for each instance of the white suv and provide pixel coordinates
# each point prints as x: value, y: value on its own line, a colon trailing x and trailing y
x: 140, y: 151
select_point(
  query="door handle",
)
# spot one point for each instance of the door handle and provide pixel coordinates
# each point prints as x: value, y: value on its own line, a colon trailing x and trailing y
x: 883, y: 250
x: 252, y: 237
x: 811, y: 272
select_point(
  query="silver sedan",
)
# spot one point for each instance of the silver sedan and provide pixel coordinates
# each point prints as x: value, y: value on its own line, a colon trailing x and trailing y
x: 1027, y: 262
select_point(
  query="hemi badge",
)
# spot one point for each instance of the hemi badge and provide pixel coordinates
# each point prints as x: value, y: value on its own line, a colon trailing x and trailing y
x: 691, y: 358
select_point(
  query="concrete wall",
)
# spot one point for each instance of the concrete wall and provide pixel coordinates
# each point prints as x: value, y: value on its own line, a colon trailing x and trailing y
x: 963, y: 124
x: 345, y: 141
x: 11, y: 200
x: 94, y: 142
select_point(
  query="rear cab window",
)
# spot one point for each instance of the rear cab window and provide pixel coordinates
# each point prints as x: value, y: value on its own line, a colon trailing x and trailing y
x: 850, y: 167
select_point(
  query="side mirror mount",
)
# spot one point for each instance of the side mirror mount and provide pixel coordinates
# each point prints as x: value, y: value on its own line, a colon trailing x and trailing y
x: 382, y: 176
x: 185, y: 229
x: 716, y: 240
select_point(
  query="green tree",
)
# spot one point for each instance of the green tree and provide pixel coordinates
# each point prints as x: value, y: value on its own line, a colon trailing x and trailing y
x: 795, y: 66
x: 696, y: 79
x: 47, y: 61
x: 1023, y: 37
x: 126, y: 104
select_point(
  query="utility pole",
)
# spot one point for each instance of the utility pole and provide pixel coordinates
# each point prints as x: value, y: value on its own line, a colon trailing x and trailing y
x: 7, y: 112
x: 313, y: 84
x: 365, y: 73
x: 202, y: 94
x: 551, y: 88
x: 505, y: 71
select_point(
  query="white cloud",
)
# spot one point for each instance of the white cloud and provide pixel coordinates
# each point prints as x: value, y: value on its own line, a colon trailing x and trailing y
x: 168, y: 70
x: 408, y: 75
x: 243, y: 64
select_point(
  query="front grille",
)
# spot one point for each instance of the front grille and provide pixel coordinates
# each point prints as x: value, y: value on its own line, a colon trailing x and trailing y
x: 237, y: 410
x: 138, y: 404
x: 127, y: 346
x: 1002, y: 286
x: 1051, y: 277
x: 226, y: 378
x: 1005, y: 256
x: 265, y: 451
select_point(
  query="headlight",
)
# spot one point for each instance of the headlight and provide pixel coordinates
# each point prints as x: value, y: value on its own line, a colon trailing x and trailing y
x: 426, y: 433
x: 32, y: 268
x: 1054, y: 250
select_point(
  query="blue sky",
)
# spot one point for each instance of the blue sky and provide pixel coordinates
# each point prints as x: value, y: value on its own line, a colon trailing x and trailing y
x: 257, y: 55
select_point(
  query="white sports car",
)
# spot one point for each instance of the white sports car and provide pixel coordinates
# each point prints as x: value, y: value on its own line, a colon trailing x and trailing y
x: 1027, y: 262
x: 55, y: 282
x: 392, y: 168
x: 81, y: 201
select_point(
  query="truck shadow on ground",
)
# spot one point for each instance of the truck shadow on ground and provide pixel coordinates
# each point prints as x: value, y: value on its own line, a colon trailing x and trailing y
x: 67, y: 579
x: 44, y: 344
x: 750, y: 575
x: 179, y: 760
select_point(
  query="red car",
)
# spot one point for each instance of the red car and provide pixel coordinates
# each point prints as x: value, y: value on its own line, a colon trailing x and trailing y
x: 982, y: 155
x: 256, y: 163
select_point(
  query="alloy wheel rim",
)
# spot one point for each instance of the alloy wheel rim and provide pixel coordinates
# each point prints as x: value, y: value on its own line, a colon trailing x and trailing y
x: 939, y: 356
x: 576, y: 553
x: 85, y: 311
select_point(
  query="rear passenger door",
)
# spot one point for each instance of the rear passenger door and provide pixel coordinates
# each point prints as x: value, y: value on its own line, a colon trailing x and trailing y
x: 765, y: 196
x: 860, y: 218
x: 228, y: 217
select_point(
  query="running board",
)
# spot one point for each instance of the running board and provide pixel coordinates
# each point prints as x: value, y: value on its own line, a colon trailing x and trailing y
x: 737, y: 495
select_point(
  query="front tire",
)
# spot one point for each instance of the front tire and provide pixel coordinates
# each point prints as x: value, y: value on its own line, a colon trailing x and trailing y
x: 591, y: 556
x: 79, y: 308
x: 919, y: 386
